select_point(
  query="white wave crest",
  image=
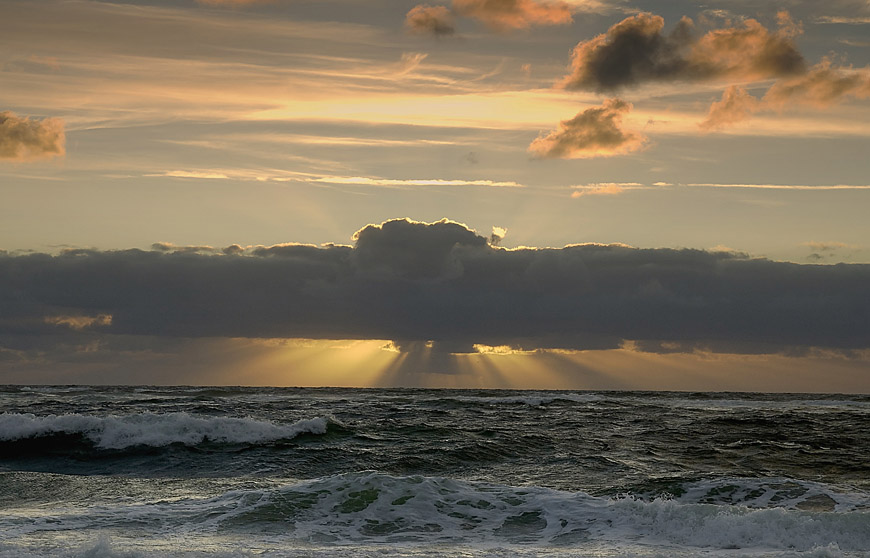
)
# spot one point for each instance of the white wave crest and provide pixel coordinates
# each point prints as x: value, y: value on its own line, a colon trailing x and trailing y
x: 149, y: 429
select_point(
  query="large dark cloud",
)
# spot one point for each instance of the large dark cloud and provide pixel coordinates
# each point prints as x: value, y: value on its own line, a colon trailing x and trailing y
x: 636, y: 51
x: 25, y: 139
x: 413, y: 282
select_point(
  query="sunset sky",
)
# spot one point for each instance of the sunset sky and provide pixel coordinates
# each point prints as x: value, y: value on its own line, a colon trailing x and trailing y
x: 590, y: 194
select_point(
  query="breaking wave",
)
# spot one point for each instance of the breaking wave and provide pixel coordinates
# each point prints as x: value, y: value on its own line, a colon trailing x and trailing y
x: 149, y: 429
x: 374, y: 508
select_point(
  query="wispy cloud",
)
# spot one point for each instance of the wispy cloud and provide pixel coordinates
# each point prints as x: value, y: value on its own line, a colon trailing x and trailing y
x: 605, y: 189
x: 821, y: 251
x: 785, y: 186
x: 193, y: 174
x: 266, y: 175
x: 825, y: 246
x: 849, y: 20
x: 352, y: 141
x: 367, y: 181
x: 79, y: 322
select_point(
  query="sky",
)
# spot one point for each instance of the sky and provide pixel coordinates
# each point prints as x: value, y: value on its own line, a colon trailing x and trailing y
x: 577, y: 194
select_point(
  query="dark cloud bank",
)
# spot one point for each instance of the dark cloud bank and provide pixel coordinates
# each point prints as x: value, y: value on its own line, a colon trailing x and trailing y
x: 412, y: 282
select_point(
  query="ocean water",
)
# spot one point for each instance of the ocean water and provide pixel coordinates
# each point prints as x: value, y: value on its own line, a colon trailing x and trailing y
x: 105, y: 472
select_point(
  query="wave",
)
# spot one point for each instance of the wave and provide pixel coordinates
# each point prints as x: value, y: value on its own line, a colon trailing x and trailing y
x: 532, y: 399
x: 761, y: 493
x: 374, y: 508
x: 154, y: 430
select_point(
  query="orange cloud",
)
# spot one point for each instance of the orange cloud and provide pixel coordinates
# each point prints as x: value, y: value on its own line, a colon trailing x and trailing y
x: 822, y: 86
x: 736, y: 105
x: 750, y: 51
x: 23, y: 139
x: 595, y: 132
x: 430, y: 20
x: 508, y: 15
x: 635, y: 51
x: 233, y: 2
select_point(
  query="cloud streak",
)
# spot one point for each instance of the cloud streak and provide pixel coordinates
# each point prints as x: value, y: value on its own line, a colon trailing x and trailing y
x: 368, y: 181
x: 784, y: 186
x: 25, y: 139
x: 442, y: 283
x: 606, y: 189
x: 595, y: 132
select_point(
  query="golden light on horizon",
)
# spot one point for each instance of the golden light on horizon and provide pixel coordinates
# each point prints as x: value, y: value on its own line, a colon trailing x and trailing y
x: 313, y: 362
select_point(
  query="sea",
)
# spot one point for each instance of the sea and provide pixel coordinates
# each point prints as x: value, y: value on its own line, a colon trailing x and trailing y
x: 111, y: 472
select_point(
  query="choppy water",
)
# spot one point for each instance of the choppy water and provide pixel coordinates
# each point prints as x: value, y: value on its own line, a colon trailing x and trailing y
x: 202, y: 472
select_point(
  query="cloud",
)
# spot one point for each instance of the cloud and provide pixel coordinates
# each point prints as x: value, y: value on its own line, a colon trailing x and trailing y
x: 430, y: 20
x: 24, y: 139
x: 825, y: 246
x: 783, y: 186
x: 233, y: 3
x: 497, y: 235
x: 636, y: 51
x: 595, y: 132
x: 442, y: 283
x: 820, y: 87
x: 824, y: 250
x: 605, y: 189
x: 80, y: 322
x: 368, y: 181
x: 174, y: 248
x: 855, y: 20
x: 508, y: 15
x: 410, y: 61
x: 193, y: 174
x: 412, y: 249
x: 736, y: 105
